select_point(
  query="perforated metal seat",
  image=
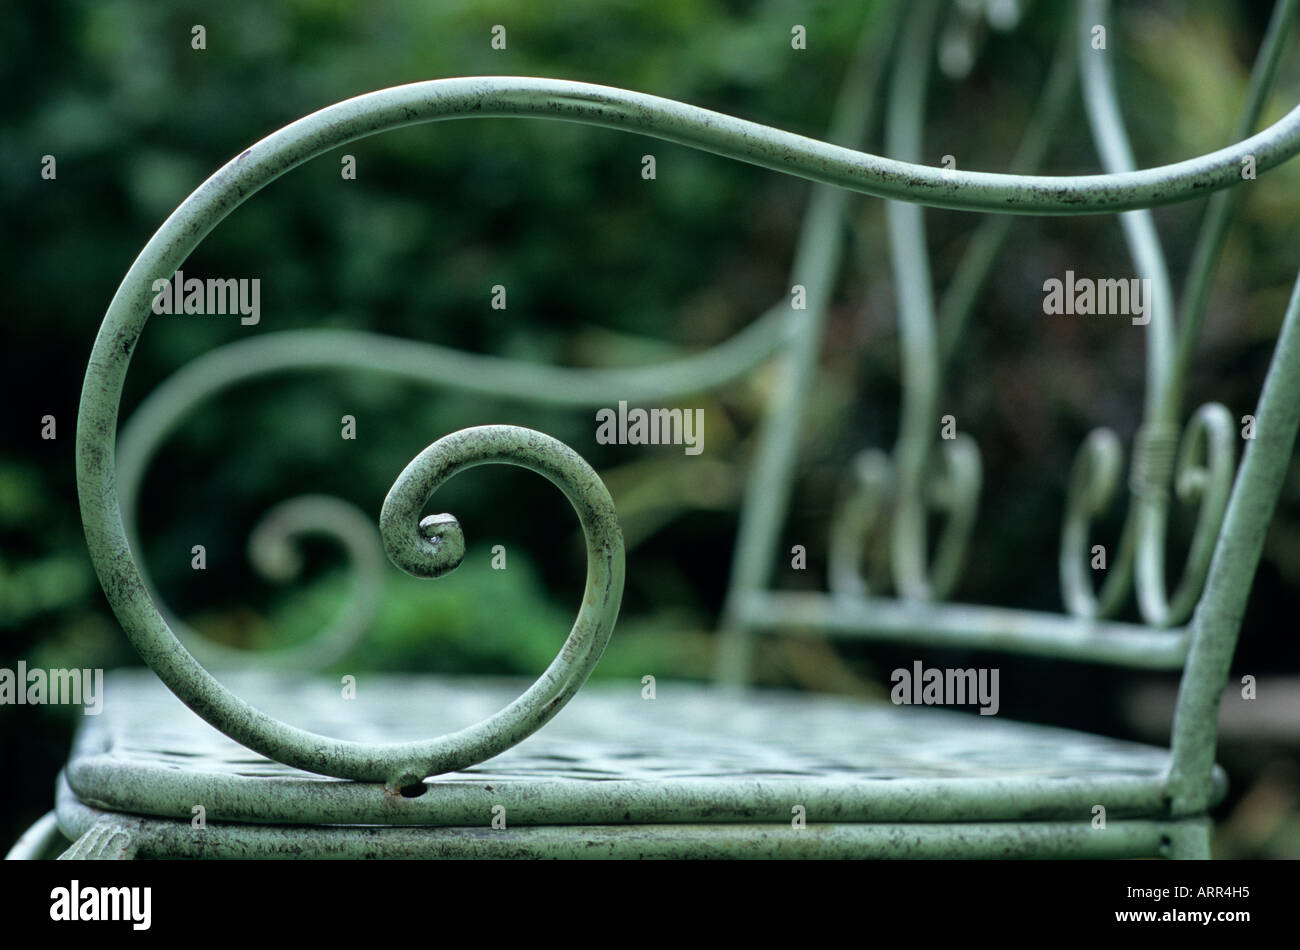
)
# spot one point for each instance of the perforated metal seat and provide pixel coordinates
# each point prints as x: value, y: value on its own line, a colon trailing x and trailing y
x: 692, y: 757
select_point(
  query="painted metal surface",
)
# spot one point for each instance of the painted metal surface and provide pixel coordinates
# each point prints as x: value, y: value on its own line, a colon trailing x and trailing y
x: 692, y: 754
x: 1192, y: 463
x: 108, y: 835
x: 428, y: 547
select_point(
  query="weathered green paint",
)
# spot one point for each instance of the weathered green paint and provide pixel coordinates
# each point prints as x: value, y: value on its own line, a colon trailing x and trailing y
x: 1159, y: 809
x: 816, y: 260
x: 696, y: 754
x: 153, y: 837
x: 1217, y: 621
x: 426, y: 548
x: 1200, y: 468
x: 966, y: 626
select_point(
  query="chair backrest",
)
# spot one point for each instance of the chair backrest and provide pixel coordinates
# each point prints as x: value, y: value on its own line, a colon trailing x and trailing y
x: 932, y: 466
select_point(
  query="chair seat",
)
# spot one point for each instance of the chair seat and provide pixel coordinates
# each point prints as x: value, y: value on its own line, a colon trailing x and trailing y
x: 692, y: 754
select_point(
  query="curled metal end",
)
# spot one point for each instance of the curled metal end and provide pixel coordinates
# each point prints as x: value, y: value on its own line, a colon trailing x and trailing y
x: 443, y: 547
x: 876, y: 493
x: 862, y: 506
x: 1200, y: 467
x: 1094, y: 484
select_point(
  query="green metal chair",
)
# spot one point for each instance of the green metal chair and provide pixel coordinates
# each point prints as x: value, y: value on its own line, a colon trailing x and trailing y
x: 553, y: 769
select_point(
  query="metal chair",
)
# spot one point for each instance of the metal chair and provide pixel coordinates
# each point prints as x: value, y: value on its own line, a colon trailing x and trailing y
x: 722, y: 770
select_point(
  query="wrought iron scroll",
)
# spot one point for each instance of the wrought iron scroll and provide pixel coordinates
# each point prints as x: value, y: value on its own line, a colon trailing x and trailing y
x: 1196, y: 467
x: 1200, y: 465
x: 429, y: 548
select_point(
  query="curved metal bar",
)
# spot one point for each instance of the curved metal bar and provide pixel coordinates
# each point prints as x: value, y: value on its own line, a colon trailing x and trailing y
x: 270, y: 544
x: 1211, y: 485
x: 427, y: 548
x: 272, y: 550
x: 169, y: 838
x: 1140, y: 554
x: 990, y: 237
x: 1102, y: 107
x: 1093, y: 476
x: 1094, y: 480
x: 1214, y: 228
x: 165, y: 407
x: 537, y: 383
x: 914, y: 298
x: 872, y: 477
x: 913, y: 576
x: 1203, y: 473
x: 609, y: 107
x: 510, y: 96
x: 1216, y: 622
x: 957, y: 492
x: 969, y: 627
x: 817, y: 256
x: 498, y: 96
x: 855, y: 516
x: 1140, y: 557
